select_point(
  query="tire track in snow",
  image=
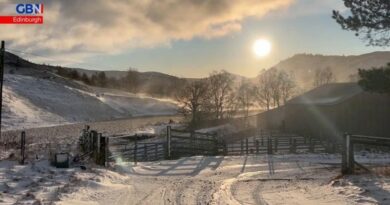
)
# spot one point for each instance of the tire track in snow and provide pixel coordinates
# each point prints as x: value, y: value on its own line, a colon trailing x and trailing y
x: 256, y: 195
x: 151, y: 195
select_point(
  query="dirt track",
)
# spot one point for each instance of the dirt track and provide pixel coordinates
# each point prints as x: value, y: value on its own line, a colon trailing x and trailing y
x: 219, y: 180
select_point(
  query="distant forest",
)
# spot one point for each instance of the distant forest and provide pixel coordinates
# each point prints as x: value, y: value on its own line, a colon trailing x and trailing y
x: 133, y: 81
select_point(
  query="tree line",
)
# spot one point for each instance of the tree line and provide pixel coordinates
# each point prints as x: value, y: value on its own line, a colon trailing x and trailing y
x: 220, y: 97
x: 130, y: 82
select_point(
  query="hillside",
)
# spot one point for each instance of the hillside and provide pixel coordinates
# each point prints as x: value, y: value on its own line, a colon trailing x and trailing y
x: 151, y: 83
x: 344, y: 67
x: 34, y: 96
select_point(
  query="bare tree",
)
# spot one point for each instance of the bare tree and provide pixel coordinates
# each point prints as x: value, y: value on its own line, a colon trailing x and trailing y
x: 232, y: 104
x: 323, y: 76
x: 245, y: 96
x: 287, y: 86
x: 275, y: 84
x: 264, y: 90
x: 220, y: 86
x: 193, y: 100
x: 274, y: 87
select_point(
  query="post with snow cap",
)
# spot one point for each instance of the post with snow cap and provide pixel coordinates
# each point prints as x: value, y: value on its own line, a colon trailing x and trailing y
x: 2, y: 56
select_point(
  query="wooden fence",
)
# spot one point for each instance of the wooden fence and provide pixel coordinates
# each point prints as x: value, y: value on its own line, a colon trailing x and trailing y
x: 268, y: 142
x: 182, y: 143
x: 138, y: 151
x: 348, y: 160
x: 178, y: 143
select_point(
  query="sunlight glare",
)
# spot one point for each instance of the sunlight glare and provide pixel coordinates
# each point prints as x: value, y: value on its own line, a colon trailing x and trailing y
x: 261, y: 47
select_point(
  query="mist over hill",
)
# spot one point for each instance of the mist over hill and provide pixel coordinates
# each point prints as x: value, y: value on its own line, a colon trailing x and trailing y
x: 302, y: 66
x: 152, y: 83
x: 345, y: 68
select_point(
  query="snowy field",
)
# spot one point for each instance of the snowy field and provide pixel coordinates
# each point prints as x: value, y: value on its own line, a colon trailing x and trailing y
x: 35, y: 102
x: 277, y: 179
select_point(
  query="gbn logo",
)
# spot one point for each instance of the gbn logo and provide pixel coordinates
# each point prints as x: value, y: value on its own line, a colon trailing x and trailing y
x: 29, y: 8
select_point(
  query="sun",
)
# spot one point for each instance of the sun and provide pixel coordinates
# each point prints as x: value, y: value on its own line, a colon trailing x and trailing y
x: 261, y: 47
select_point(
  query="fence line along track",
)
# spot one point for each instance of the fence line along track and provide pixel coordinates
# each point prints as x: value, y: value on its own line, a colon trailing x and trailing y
x: 177, y: 143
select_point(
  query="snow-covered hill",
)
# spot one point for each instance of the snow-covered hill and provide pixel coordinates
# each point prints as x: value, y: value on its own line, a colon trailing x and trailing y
x: 30, y: 101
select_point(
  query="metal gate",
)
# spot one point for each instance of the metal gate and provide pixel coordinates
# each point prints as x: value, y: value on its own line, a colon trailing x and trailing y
x: 182, y: 143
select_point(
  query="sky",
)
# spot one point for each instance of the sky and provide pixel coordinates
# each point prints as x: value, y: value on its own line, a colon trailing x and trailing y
x: 186, y: 38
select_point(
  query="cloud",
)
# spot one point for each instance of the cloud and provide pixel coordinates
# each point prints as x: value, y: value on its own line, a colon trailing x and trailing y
x: 304, y: 8
x: 102, y: 26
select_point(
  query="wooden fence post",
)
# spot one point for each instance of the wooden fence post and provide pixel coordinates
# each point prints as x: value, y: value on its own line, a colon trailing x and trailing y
x: 97, y: 148
x: 344, y: 158
x: 135, y: 151
x: 293, y: 146
x: 349, y: 154
x: 261, y: 137
x: 106, y: 139
x: 225, y: 148
x: 89, y: 141
x: 216, y: 144
x: 155, y: 151
x: 146, y: 152
x: 23, y: 146
x: 269, y: 145
x: 192, y: 143
x: 92, y: 142
x: 246, y: 143
x: 168, y: 141
x: 311, y: 145
x: 276, y: 144
x: 242, y: 147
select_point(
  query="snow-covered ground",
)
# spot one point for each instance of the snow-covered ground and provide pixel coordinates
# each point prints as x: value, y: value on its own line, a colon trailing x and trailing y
x: 35, y: 102
x: 277, y: 179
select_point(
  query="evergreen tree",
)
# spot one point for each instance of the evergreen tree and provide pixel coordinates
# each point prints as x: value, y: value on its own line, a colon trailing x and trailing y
x: 94, y: 79
x: 375, y: 79
x: 131, y: 80
x: 85, y: 79
x: 62, y: 71
x: 74, y: 74
x: 368, y: 17
x: 102, y: 79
